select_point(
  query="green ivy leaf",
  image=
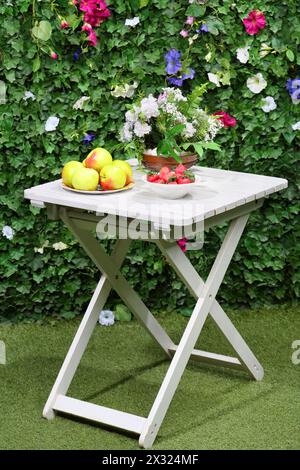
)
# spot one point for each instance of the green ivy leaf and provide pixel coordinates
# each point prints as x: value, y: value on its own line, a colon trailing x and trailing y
x: 42, y: 31
x: 290, y: 55
x: 36, y: 64
x: 196, y: 10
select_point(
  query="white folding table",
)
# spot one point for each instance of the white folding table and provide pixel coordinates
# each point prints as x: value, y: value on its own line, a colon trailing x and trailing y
x: 225, y: 196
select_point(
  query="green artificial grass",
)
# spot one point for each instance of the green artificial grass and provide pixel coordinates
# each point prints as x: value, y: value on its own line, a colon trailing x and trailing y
x: 213, y: 408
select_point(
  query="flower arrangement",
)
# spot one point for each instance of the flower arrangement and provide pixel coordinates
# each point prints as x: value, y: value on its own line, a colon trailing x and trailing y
x: 171, y: 123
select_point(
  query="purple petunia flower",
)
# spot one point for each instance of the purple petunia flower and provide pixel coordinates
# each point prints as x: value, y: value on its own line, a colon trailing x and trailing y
x: 293, y: 87
x: 173, y: 64
x: 77, y: 54
x: 88, y: 138
x: 190, y: 74
x: 177, y: 81
x: 203, y: 29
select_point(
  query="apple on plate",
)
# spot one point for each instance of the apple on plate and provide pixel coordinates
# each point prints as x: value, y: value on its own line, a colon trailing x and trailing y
x: 68, y: 171
x: 126, y: 167
x: 112, y: 177
x: 85, y: 179
x: 97, y: 159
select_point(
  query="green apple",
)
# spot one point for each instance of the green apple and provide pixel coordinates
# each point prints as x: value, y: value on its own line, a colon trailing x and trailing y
x: 68, y: 171
x: 112, y: 177
x: 97, y: 159
x: 85, y: 179
x: 126, y: 167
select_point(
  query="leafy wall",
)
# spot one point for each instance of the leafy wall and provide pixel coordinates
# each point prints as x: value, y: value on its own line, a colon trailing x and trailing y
x: 38, y: 278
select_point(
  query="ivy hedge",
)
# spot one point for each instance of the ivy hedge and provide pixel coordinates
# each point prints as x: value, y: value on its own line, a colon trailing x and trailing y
x: 42, y: 276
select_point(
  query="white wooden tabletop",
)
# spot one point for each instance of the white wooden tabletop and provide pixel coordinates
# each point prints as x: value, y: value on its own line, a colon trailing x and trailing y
x: 222, y: 190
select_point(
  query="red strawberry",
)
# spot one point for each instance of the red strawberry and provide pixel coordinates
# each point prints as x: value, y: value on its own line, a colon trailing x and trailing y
x: 172, y: 182
x: 180, y: 169
x: 152, y: 178
x: 164, y: 172
x: 159, y: 181
x: 183, y: 180
x: 171, y: 176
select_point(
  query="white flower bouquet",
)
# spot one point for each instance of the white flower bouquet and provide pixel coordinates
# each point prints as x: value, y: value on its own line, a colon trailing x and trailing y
x: 170, y: 125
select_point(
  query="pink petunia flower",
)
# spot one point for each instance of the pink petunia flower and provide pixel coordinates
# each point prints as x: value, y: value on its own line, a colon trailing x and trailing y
x: 184, y: 33
x: 254, y: 22
x: 53, y: 55
x: 86, y: 27
x: 92, y: 37
x: 182, y: 244
x: 190, y: 20
x: 225, y: 118
x: 64, y: 25
x: 88, y: 6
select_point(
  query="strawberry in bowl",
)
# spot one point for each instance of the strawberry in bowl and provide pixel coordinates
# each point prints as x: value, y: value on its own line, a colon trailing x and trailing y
x: 171, y: 184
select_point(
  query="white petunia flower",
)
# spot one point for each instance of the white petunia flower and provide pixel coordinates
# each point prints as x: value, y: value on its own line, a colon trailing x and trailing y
x: 126, y: 132
x: 132, y: 115
x: 296, y: 126
x: 106, y: 318
x: 141, y: 129
x: 51, y: 123
x: 149, y: 107
x: 132, y: 21
x: 213, y: 78
x: 59, y: 246
x: 8, y: 232
x: 256, y: 83
x: 79, y: 103
x: 124, y: 91
x: 28, y: 95
x: 269, y: 104
x: 242, y: 54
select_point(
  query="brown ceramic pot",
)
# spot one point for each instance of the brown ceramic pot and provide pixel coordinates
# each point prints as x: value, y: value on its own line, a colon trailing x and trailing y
x: 156, y: 162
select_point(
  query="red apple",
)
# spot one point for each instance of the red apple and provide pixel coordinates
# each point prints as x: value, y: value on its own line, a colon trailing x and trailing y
x: 112, y: 177
x: 97, y: 159
x: 126, y: 167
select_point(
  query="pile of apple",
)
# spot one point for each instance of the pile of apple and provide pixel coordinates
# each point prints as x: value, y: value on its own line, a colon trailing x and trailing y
x: 179, y: 176
x: 98, y: 169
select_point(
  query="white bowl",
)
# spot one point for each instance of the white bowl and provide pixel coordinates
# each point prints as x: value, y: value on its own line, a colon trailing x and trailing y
x: 171, y: 191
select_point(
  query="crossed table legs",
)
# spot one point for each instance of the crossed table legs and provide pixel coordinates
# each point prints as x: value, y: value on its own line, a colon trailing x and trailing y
x: 205, y: 295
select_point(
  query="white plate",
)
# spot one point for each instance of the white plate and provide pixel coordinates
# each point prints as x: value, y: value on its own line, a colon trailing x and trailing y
x: 98, y: 191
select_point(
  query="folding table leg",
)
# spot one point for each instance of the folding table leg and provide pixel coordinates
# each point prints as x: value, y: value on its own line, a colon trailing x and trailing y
x: 84, y: 332
x: 107, y: 265
x: 193, y: 281
x: 192, y: 331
